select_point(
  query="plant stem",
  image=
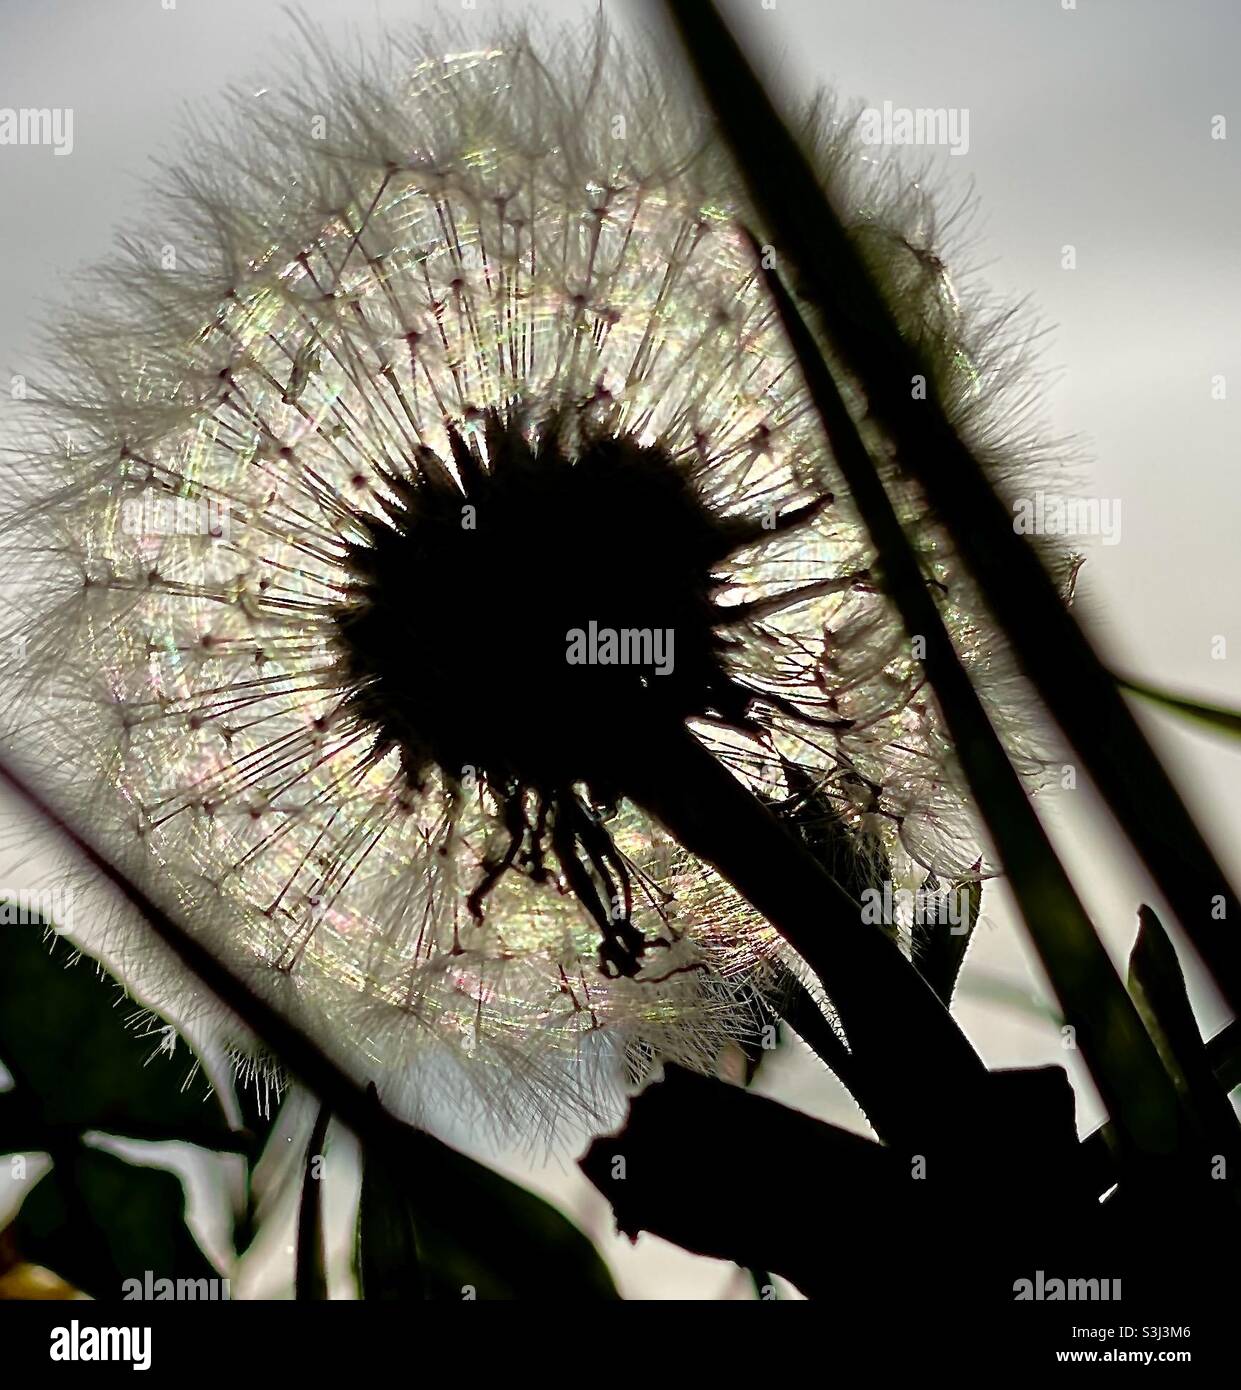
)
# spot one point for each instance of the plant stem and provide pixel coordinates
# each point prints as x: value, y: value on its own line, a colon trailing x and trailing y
x: 928, y: 1080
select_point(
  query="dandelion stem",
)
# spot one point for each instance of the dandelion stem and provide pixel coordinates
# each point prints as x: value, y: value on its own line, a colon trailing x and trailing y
x: 927, y: 1078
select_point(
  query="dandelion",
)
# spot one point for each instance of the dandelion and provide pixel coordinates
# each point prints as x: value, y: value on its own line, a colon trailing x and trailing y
x: 506, y: 475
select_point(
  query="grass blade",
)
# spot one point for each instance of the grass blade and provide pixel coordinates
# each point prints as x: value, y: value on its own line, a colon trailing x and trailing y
x: 1127, y: 1068
x: 939, y: 947
x: 1213, y: 717
x: 1078, y: 690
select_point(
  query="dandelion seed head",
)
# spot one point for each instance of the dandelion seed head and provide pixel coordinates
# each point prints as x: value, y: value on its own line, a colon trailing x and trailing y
x: 458, y: 353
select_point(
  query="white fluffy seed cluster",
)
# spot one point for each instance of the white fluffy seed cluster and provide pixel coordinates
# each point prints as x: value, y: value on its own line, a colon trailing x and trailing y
x: 341, y: 275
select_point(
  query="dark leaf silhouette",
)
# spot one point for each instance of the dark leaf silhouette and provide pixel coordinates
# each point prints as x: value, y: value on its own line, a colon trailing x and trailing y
x: 772, y: 1189
x: 99, y: 1221
x: 444, y: 1227
x: 65, y: 1040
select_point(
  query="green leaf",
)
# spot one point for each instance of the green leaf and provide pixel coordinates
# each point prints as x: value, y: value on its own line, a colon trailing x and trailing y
x: 445, y: 1227
x: 855, y: 859
x: 1224, y: 1055
x: 389, y: 1261
x: 1214, y: 717
x: 803, y: 1014
x: 64, y: 1039
x: 1158, y: 988
x: 940, y: 941
x: 98, y: 1221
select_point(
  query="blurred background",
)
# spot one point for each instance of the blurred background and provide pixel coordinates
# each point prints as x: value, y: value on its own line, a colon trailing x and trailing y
x: 1103, y: 189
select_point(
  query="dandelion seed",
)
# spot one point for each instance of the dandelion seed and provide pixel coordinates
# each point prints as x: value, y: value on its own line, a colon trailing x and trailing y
x: 462, y: 377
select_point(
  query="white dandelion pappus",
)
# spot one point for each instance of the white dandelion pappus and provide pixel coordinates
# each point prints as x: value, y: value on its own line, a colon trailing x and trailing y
x: 449, y: 345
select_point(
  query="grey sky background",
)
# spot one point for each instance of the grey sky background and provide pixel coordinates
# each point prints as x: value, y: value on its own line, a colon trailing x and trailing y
x: 1090, y: 126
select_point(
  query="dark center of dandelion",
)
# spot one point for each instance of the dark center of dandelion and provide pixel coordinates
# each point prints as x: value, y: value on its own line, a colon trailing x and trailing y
x: 524, y: 621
